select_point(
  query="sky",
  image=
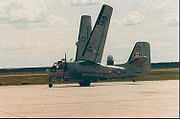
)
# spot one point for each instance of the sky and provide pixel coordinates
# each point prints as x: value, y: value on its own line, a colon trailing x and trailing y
x: 40, y: 32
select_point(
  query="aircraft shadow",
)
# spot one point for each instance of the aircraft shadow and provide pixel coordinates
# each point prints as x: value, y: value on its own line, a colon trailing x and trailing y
x: 132, y: 84
x: 77, y: 86
x: 92, y: 85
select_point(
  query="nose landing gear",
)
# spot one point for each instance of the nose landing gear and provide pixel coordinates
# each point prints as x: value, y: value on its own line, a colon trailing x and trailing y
x: 85, y: 83
x: 50, y: 82
x: 133, y: 79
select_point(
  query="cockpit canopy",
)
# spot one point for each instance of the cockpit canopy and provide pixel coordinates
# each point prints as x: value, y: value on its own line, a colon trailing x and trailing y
x: 59, y: 64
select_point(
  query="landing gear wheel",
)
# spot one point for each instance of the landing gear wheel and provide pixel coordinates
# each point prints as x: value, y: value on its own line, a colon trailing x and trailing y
x: 133, y: 80
x: 50, y: 82
x: 85, y: 83
x: 50, y: 85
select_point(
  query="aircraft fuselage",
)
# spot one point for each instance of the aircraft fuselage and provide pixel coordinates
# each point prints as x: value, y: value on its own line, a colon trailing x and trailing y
x: 77, y: 71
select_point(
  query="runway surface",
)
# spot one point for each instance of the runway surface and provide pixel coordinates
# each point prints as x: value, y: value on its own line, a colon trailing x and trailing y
x: 110, y: 99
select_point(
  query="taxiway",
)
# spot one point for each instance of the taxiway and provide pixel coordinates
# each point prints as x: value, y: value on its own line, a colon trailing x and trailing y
x: 108, y: 99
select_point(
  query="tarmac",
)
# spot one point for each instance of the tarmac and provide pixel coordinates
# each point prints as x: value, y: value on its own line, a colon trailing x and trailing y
x: 107, y: 99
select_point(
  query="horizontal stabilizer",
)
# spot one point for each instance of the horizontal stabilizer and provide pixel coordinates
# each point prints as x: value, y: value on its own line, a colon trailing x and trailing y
x: 138, y: 60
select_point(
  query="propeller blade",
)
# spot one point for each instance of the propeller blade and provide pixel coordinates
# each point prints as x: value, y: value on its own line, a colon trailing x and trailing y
x: 64, y: 67
x: 63, y: 74
x: 65, y: 57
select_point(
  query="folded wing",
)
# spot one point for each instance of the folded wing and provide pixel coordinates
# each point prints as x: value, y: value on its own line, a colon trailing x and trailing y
x: 84, y: 35
x: 95, y: 45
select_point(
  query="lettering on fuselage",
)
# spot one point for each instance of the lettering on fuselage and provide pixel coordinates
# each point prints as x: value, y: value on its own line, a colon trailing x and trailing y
x: 103, y: 20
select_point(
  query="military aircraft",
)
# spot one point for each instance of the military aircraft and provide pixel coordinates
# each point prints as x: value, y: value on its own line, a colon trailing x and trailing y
x: 86, y: 67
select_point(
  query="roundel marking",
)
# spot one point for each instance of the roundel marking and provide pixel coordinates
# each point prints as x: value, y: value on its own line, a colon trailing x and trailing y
x: 83, y: 39
x: 110, y: 70
x: 118, y: 71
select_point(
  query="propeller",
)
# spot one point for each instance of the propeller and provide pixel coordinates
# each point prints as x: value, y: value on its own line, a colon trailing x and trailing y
x: 64, y: 66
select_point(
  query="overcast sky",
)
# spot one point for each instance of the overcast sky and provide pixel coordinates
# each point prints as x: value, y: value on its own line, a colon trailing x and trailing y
x: 39, y: 32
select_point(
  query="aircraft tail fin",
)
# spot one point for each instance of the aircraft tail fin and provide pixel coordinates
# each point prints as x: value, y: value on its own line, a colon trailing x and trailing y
x: 84, y: 34
x: 140, y: 59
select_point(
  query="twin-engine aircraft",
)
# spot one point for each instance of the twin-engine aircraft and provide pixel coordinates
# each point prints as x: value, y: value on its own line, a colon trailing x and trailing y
x: 87, y: 68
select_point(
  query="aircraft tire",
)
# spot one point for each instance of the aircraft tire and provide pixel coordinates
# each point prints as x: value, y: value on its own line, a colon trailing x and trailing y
x: 50, y: 85
x: 85, y: 83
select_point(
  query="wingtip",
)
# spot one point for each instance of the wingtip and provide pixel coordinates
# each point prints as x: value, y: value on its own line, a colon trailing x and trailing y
x: 143, y: 42
x: 85, y: 15
x: 106, y: 5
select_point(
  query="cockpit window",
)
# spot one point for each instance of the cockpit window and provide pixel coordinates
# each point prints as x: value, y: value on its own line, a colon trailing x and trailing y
x: 58, y: 65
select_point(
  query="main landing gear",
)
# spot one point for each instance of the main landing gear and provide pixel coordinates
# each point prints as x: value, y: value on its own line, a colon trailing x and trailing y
x: 85, y: 83
x: 133, y: 79
x: 50, y: 82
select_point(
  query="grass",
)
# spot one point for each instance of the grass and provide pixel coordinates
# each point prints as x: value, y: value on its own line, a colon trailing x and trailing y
x: 24, y: 78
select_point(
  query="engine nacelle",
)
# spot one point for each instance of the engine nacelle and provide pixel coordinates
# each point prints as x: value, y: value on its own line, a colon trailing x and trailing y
x: 110, y: 60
